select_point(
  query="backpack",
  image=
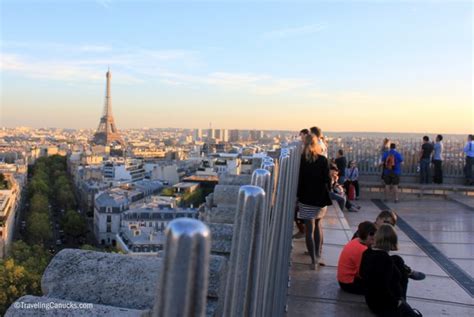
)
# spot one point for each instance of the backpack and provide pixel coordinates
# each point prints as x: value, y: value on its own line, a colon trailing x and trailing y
x: 351, y: 193
x: 390, y: 162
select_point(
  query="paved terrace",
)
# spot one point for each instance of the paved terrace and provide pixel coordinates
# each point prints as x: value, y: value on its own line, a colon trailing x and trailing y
x: 444, y: 228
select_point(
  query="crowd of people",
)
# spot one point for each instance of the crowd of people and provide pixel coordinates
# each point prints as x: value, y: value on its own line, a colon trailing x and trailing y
x: 365, y: 265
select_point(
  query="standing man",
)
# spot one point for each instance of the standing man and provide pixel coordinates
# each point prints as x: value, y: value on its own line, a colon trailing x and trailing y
x: 469, y: 151
x: 438, y: 160
x: 392, y: 170
x: 303, y: 134
x: 341, y: 163
x: 425, y: 160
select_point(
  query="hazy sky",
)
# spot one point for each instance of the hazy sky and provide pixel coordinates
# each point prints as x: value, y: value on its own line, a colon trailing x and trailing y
x: 344, y: 66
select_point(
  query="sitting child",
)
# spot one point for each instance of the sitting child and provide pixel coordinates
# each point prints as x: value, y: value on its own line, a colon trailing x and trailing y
x: 351, y: 256
x: 384, y: 276
x: 390, y: 217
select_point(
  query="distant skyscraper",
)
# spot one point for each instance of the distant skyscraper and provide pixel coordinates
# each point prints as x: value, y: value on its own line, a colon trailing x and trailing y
x: 211, y: 134
x: 256, y: 135
x: 234, y: 136
x: 107, y: 132
x: 224, y: 135
x: 197, y: 134
x: 217, y: 134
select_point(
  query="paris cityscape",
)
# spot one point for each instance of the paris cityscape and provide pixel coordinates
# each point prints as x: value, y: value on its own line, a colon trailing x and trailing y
x: 134, y: 181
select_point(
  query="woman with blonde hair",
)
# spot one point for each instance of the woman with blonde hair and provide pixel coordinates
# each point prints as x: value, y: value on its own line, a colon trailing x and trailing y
x: 385, y: 277
x: 313, y: 196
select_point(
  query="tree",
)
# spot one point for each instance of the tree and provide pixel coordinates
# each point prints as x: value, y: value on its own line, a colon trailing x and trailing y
x: 89, y: 247
x: 13, y: 283
x: 39, y: 203
x: 39, y: 229
x: 33, y: 257
x: 74, y: 224
x: 195, y: 198
x: 168, y: 191
x: 38, y: 186
x: 65, y: 198
x: 21, y: 273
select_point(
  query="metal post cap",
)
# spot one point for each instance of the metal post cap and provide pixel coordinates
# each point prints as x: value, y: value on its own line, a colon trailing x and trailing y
x: 252, y: 191
x: 187, y: 227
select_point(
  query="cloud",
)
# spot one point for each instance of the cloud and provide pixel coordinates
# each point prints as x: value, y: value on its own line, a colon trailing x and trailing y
x: 258, y: 84
x: 345, y: 98
x: 56, y: 70
x: 86, y: 62
x: 295, y: 31
x: 135, y: 66
x: 54, y: 47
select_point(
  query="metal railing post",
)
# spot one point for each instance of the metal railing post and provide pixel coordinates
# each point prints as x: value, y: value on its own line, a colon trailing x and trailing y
x: 276, y: 235
x: 184, y: 277
x: 263, y: 179
x: 241, y: 294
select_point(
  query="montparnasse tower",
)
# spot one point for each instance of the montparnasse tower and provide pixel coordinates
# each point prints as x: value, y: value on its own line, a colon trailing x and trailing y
x: 107, y: 132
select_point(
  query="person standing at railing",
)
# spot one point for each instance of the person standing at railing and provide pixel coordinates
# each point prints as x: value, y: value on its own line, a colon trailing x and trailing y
x: 385, y: 148
x: 321, y: 140
x: 303, y: 133
x: 313, y: 196
x: 469, y: 151
x: 341, y: 163
x: 299, y: 222
x: 438, y: 160
x: 392, y: 170
x: 425, y: 160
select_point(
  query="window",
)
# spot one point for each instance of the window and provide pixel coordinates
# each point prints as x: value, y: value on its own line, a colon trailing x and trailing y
x: 109, y: 228
x: 109, y: 218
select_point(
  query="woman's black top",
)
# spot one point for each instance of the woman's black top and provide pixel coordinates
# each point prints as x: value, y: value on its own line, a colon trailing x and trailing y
x: 313, y: 182
x: 382, y: 279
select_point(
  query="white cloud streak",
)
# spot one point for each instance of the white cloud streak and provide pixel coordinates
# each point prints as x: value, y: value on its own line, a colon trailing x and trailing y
x: 136, y: 66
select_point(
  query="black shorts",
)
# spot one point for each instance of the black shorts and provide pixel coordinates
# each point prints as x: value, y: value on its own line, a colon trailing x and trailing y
x: 391, y: 179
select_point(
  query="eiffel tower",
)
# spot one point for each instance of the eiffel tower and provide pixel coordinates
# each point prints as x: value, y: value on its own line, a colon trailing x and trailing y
x: 107, y: 132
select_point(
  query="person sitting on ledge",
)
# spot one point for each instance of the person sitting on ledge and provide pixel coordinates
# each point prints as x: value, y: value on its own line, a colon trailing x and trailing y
x: 390, y: 217
x: 352, y: 178
x: 337, y: 191
x: 384, y: 276
x: 350, y: 258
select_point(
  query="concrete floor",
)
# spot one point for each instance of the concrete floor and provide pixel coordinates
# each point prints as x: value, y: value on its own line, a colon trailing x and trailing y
x: 447, y: 225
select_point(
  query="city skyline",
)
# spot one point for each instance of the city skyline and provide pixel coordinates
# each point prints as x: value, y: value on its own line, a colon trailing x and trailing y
x: 362, y: 67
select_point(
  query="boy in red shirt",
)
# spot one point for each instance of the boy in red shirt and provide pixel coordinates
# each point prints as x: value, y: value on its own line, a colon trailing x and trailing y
x: 351, y: 256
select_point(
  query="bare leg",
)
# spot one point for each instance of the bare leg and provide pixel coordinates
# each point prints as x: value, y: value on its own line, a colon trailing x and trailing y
x: 395, y: 191
x: 309, y: 226
x: 318, y: 237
